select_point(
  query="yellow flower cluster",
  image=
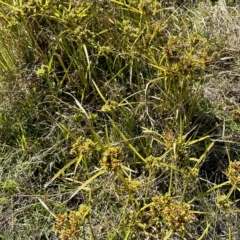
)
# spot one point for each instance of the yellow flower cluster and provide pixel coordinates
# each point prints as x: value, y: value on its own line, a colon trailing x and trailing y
x: 176, y: 215
x: 68, y: 224
x: 83, y: 146
x: 112, y: 158
x: 233, y: 173
x: 133, y: 185
x: 109, y: 106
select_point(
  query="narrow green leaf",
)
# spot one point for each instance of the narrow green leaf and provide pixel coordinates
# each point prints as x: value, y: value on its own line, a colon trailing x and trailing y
x: 127, y: 142
x: 62, y: 170
x: 83, y: 186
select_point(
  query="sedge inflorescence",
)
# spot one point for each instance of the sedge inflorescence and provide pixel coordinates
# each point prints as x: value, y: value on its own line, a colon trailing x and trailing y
x: 109, y: 106
x: 175, y: 214
x: 233, y: 173
x: 152, y: 163
x: 112, y: 158
x: 133, y: 185
x: 223, y: 202
x: 68, y: 225
x: 83, y: 146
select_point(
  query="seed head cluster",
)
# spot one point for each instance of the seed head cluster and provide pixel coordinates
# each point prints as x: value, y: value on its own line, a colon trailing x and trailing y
x: 83, y: 146
x: 112, y: 158
x: 109, y: 106
x: 233, y: 173
x: 68, y: 225
x: 176, y: 215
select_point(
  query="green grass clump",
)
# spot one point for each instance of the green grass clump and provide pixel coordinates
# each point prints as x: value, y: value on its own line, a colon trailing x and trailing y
x: 113, y: 135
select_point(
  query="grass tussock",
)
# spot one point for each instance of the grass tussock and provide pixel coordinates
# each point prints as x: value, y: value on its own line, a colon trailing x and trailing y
x: 119, y: 120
